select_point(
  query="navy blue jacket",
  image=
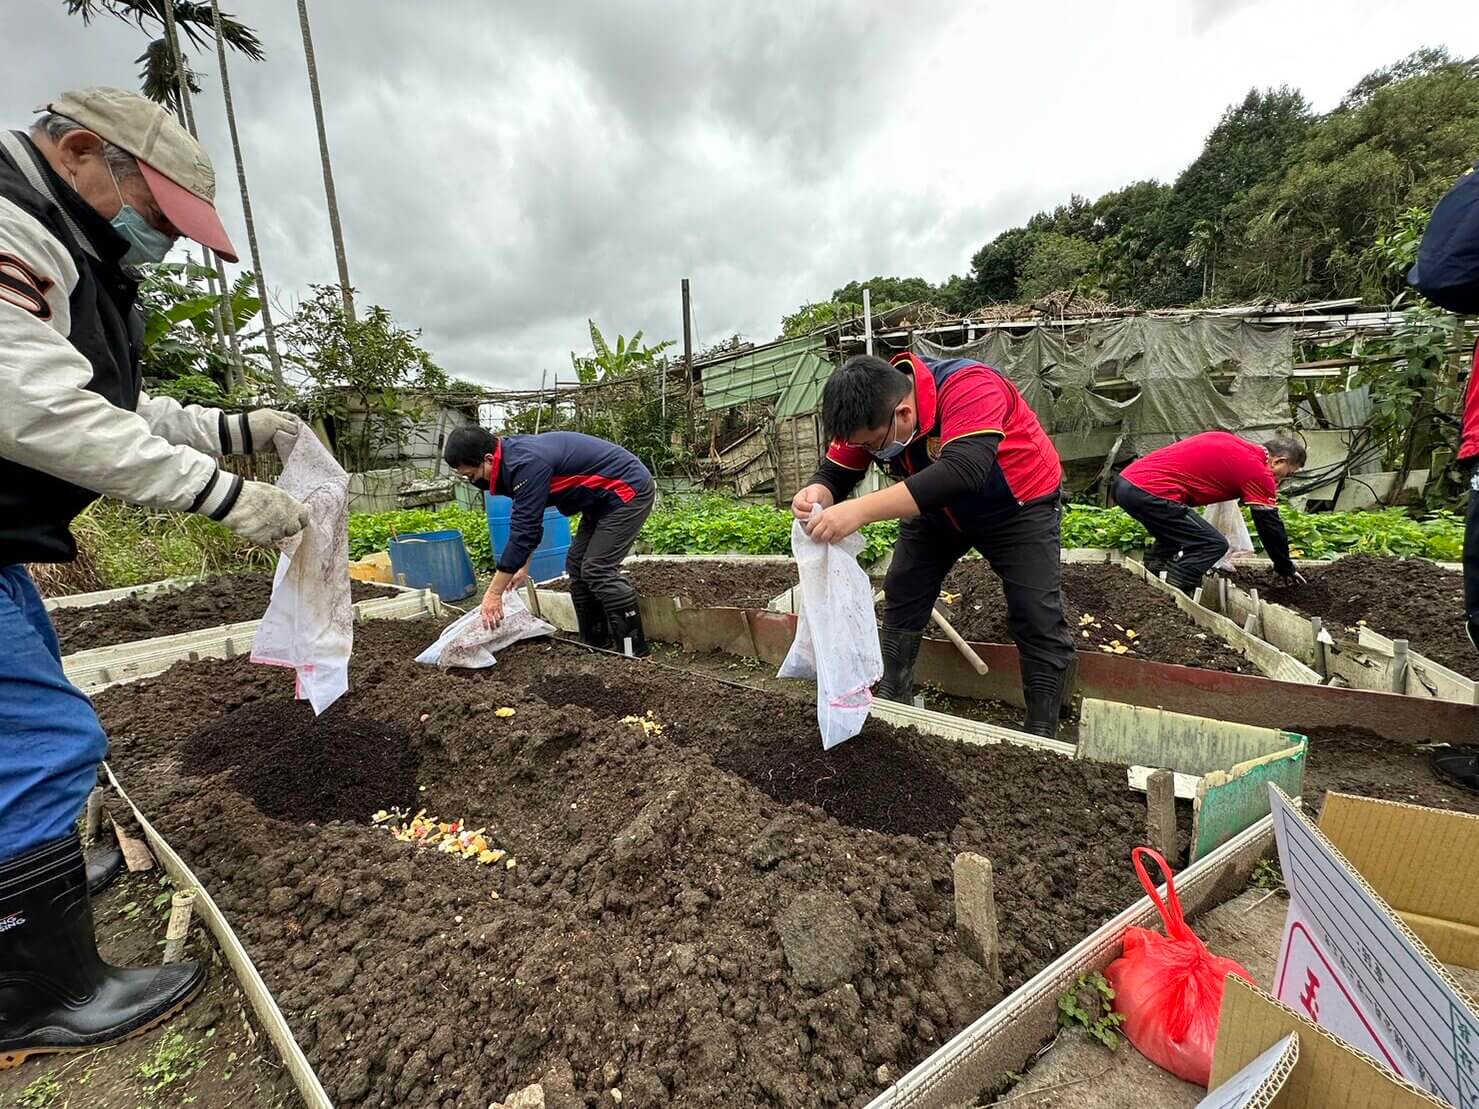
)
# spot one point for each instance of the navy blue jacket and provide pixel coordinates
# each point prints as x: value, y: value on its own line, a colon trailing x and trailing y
x: 564, y: 470
x: 1447, y: 270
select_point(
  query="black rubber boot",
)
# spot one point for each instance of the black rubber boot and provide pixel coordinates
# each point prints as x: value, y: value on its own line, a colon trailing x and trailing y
x: 1187, y: 581
x: 1042, y: 691
x: 625, y: 622
x: 900, y: 650
x: 103, y: 865
x: 56, y: 993
x: 1458, y: 764
x: 590, y: 617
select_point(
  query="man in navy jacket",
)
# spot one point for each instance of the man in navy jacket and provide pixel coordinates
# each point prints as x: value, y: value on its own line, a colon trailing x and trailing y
x: 605, y: 483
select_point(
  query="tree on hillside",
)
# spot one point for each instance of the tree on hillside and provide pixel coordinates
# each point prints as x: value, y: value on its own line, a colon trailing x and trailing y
x: 1057, y: 261
x: 901, y: 290
x: 996, y: 269
x: 1398, y: 143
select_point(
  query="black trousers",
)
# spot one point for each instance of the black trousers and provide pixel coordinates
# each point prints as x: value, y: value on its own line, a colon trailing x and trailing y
x: 1186, y: 546
x: 1023, y: 551
x: 601, y: 542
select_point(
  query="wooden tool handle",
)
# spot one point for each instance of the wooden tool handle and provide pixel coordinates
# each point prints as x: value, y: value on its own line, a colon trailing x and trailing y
x: 978, y: 664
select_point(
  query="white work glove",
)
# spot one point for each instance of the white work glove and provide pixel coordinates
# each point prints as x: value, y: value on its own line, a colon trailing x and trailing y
x: 265, y: 423
x: 264, y: 514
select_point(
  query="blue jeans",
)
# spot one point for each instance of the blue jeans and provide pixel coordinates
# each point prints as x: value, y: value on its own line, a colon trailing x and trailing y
x: 51, y: 740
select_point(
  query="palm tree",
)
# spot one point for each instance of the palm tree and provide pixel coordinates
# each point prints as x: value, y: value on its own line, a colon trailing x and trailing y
x: 1206, y: 240
x: 323, y: 149
x: 225, y: 321
x: 167, y: 79
x: 268, y: 331
x: 160, y: 79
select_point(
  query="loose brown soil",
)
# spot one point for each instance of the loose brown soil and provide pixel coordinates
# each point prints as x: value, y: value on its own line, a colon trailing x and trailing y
x: 297, y: 768
x: 716, y: 914
x: 1353, y: 760
x: 231, y: 599
x: 1401, y: 598
x: 707, y: 584
x: 1118, y: 605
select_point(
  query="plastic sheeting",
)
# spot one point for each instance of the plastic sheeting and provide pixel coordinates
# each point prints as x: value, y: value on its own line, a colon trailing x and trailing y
x: 1168, y: 358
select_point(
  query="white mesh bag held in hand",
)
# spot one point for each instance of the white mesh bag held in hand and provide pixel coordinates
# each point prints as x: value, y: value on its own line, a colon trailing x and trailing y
x: 1227, y: 517
x: 309, y: 624
x: 836, y: 634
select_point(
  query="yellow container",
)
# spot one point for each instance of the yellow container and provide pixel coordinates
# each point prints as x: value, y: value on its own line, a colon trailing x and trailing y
x: 373, y: 567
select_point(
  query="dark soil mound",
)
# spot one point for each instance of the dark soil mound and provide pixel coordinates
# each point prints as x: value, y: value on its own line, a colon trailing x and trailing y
x: 294, y: 766
x: 646, y: 939
x: 1402, y: 598
x: 1119, y: 604
x: 708, y: 584
x: 232, y: 599
x: 1353, y: 760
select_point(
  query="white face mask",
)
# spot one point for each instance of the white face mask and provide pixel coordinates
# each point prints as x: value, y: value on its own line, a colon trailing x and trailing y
x: 146, y: 243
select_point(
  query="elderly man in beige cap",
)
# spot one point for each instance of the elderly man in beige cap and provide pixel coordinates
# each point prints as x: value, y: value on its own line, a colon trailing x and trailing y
x: 103, y: 182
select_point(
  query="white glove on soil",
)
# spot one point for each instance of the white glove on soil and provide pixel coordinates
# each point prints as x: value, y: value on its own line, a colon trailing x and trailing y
x: 264, y: 514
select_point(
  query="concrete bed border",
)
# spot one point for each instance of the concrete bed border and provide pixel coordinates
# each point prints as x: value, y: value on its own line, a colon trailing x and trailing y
x: 97, y: 669
x: 1371, y: 661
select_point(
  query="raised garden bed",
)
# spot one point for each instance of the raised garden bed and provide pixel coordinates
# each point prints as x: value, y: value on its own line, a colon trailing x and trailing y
x: 1354, y: 760
x: 1400, y: 598
x: 706, y: 583
x: 231, y: 599
x: 1108, y: 610
x: 716, y: 913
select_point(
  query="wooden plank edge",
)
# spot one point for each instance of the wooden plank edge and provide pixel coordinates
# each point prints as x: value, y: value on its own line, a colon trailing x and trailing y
x: 963, y: 730
x: 1274, y: 662
x: 247, y: 975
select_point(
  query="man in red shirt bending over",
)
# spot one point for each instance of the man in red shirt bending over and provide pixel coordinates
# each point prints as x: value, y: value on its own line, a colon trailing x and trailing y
x: 1161, y: 490
x: 974, y: 468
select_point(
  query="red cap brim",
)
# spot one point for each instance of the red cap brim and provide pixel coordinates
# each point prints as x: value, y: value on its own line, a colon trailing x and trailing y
x: 195, y: 218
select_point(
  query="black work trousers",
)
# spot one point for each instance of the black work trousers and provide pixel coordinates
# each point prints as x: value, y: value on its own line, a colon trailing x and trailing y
x: 1022, y: 550
x: 600, y: 544
x: 1186, y: 546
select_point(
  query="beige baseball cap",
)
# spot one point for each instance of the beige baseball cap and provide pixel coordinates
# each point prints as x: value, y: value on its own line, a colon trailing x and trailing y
x: 175, y: 166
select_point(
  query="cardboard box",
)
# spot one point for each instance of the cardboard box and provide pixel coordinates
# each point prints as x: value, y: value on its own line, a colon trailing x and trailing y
x: 1269, y: 1055
x: 1353, y: 964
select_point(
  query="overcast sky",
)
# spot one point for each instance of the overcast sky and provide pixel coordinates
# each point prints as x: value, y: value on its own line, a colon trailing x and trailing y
x: 507, y: 170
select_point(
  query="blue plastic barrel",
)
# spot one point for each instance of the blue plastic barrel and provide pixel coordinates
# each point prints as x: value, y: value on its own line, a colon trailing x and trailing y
x: 433, y: 559
x: 548, y: 560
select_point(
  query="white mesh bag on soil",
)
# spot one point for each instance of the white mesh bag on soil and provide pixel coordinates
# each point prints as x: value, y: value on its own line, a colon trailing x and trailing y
x: 309, y: 623
x: 836, y: 634
x: 469, y: 644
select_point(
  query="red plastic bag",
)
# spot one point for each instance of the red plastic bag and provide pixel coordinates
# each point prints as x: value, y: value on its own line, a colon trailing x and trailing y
x: 1170, y: 987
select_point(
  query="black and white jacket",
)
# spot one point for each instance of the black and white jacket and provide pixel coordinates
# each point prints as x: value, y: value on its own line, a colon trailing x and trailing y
x: 75, y: 422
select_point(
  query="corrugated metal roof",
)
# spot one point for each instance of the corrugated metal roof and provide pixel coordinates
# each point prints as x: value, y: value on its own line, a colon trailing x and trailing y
x: 759, y: 374
x: 804, y: 390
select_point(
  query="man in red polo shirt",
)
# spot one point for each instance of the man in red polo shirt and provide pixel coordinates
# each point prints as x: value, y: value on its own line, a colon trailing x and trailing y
x: 973, y: 468
x: 1162, y: 489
